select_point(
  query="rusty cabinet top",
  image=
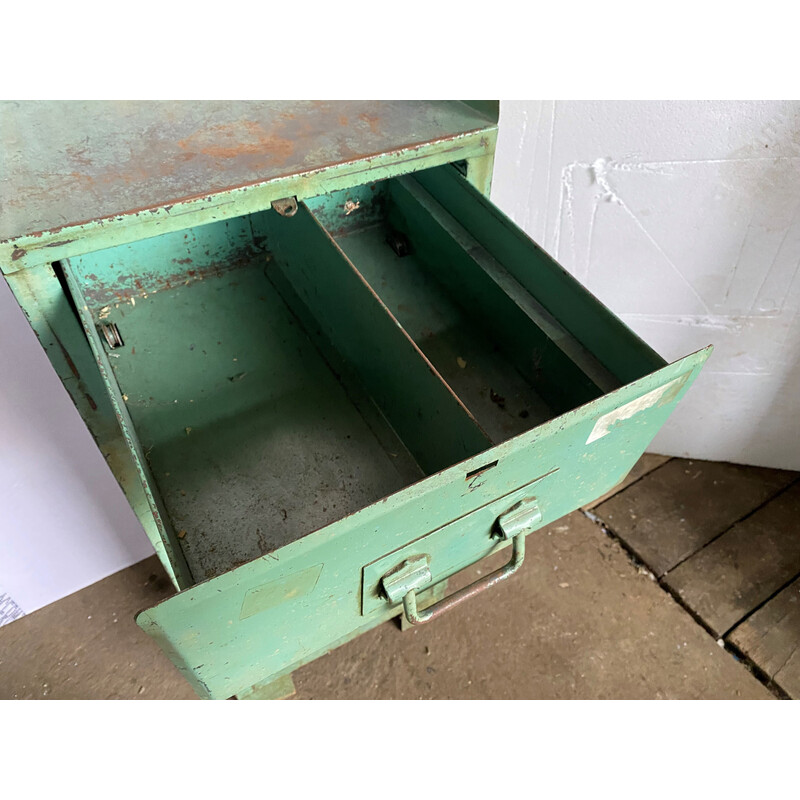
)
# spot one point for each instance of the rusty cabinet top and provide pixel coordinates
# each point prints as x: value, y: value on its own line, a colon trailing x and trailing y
x: 84, y: 171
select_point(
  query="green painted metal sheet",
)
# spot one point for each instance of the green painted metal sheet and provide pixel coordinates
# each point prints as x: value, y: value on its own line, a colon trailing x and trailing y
x: 285, y: 382
x: 429, y: 418
x: 250, y: 439
x: 472, y: 362
x: 201, y: 629
x: 589, y: 321
x: 452, y: 547
x: 509, y: 311
x: 468, y: 272
x: 165, y: 540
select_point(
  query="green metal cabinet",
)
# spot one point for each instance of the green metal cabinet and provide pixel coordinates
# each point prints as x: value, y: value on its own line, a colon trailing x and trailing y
x: 327, y: 372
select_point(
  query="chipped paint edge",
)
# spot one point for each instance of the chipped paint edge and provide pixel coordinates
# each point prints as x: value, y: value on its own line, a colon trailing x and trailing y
x: 35, y: 249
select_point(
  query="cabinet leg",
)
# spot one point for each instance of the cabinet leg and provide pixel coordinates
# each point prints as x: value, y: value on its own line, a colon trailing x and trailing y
x: 426, y: 598
x: 279, y: 689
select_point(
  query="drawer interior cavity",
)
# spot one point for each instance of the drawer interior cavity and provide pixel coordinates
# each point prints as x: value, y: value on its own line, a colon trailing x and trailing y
x: 507, y: 356
x: 273, y: 375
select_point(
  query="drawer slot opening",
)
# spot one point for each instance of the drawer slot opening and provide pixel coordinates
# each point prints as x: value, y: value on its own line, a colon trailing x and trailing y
x: 249, y: 428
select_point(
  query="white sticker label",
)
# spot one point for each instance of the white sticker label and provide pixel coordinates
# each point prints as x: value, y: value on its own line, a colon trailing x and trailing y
x: 604, y: 424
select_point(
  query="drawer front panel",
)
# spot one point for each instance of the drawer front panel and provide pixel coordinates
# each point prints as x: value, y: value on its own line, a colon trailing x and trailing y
x: 222, y: 652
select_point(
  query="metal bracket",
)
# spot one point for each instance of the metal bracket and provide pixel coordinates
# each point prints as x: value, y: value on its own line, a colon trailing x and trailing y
x: 412, y: 574
x: 286, y: 207
x: 523, y: 517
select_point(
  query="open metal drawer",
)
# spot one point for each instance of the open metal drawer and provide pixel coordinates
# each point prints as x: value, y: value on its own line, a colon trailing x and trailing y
x: 334, y: 410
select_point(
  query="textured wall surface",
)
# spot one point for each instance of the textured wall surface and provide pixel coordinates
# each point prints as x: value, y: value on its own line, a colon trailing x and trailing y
x: 683, y: 218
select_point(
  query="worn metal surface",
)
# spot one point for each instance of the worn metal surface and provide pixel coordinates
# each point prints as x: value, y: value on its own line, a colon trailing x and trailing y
x: 432, y: 421
x: 163, y: 537
x: 453, y: 546
x: 482, y: 374
x: 221, y: 654
x: 587, y: 320
x: 286, y: 206
x: 568, y: 395
x: 251, y: 439
x: 496, y: 344
x: 524, y: 517
x: 79, y: 176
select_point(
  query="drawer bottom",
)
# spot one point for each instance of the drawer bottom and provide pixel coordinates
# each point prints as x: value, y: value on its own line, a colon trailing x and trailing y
x: 280, y: 451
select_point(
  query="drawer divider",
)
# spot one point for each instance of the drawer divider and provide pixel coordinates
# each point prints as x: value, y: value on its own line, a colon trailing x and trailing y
x: 418, y: 403
x: 478, y: 271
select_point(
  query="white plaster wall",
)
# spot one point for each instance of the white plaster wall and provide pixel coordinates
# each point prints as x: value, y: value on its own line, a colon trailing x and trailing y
x: 684, y: 219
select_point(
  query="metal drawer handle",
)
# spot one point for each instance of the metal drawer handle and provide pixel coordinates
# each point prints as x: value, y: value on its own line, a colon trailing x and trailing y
x: 416, y: 617
x: 414, y: 573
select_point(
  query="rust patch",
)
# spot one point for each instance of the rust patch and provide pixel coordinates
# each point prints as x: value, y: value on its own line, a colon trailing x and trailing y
x: 77, y: 153
x: 259, y: 149
x: 372, y: 120
x: 124, y: 287
x: 61, y: 243
x: 237, y: 139
x: 18, y: 253
x: 91, y: 401
x: 70, y: 363
x: 79, y: 178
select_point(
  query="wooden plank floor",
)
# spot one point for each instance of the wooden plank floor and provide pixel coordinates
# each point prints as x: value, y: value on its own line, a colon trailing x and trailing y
x: 683, y: 505
x: 770, y: 637
x: 724, y: 539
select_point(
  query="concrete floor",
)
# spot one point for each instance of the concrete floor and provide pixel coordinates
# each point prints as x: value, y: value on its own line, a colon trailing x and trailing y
x: 579, y: 621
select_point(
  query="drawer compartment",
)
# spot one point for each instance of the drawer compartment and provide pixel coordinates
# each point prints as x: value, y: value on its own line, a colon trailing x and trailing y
x: 306, y: 397
x: 248, y: 438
